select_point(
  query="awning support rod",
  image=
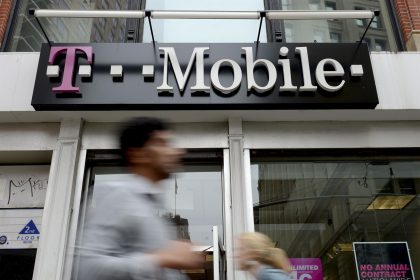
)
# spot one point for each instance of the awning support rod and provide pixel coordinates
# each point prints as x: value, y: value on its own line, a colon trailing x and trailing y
x: 150, y: 25
x: 262, y: 16
x: 367, y: 28
x: 31, y: 12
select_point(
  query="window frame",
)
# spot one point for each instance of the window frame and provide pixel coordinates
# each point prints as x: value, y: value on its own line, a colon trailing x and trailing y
x: 376, y: 156
x: 96, y: 158
x: 278, y: 25
x: 133, y: 25
x: 134, y: 28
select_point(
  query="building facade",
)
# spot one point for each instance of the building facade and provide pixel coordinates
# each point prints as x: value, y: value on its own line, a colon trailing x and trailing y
x: 319, y: 179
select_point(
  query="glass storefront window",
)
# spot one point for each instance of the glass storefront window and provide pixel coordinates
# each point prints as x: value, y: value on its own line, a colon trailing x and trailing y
x: 192, y: 199
x: 340, y: 31
x: 27, y: 36
x: 317, y: 209
x: 204, y: 31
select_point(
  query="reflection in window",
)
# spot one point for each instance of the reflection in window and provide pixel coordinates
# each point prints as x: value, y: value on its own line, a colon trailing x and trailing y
x: 27, y: 36
x: 380, y: 45
x: 349, y: 29
x: 360, y: 22
x: 101, y: 22
x: 317, y: 209
x: 194, y: 203
x: 192, y: 198
x: 330, y: 6
x: 104, y: 4
x: 289, y: 33
x: 314, y: 5
x: 62, y: 29
x: 319, y: 36
x: 110, y: 37
x: 376, y: 23
x: 217, y: 31
x: 286, y: 4
x: 335, y: 37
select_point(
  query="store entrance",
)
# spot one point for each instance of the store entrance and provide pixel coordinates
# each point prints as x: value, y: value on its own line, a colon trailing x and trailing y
x: 192, y: 202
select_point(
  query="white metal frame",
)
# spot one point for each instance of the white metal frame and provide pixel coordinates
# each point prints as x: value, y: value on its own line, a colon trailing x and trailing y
x: 77, y: 217
x: 51, y: 253
x: 228, y: 215
x: 216, y: 254
x: 88, y: 13
x: 74, y: 219
x: 248, y: 190
x: 180, y: 14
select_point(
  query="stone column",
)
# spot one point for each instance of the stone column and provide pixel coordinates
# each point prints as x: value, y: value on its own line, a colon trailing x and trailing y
x: 51, y: 251
x: 237, y: 184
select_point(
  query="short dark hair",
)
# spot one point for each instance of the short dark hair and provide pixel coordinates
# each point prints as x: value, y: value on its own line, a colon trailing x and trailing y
x: 137, y: 132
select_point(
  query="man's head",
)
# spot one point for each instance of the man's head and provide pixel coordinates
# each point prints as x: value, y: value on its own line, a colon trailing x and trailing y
x: 146, y: 146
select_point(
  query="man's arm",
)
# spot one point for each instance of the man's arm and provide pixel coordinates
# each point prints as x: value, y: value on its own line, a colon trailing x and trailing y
x: 104, y: 254
x: 102, y: 257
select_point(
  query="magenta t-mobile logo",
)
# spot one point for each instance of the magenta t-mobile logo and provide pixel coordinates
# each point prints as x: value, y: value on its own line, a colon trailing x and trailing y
x: 71, y: 52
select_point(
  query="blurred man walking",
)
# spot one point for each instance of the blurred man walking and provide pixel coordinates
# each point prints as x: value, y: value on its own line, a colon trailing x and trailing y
x: 124, y: 238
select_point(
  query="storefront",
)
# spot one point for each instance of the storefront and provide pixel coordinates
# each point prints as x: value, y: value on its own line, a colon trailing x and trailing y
x: 314, y: 144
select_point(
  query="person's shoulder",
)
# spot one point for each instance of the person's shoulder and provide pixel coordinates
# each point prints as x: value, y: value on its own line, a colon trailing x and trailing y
x: 110, y: 190
x: 116, y: 195
x: 270, y: 273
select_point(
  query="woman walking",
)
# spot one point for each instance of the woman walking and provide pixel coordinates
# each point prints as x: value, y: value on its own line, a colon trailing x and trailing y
x: 258, y: 256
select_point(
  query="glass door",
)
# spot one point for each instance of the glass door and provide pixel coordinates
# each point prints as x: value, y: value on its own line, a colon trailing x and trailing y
x: 192, y: 202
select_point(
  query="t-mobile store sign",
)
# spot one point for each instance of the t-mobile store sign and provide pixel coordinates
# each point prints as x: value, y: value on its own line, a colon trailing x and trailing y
x: 204, y: 76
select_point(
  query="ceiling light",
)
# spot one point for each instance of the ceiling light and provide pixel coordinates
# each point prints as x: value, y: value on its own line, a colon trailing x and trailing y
x: 345, y: 247
x: 390, y: 202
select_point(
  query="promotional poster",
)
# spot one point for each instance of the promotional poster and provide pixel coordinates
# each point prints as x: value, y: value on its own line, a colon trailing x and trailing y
x: 383, y: 260
x: 306, y: 268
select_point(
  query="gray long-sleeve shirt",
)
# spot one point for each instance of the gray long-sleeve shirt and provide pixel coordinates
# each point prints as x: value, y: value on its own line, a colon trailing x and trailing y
x: 121, y: 231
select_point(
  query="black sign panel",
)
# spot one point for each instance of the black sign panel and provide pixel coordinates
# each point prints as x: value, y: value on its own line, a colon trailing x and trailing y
x: 383, y: 260
x: 231, y: 76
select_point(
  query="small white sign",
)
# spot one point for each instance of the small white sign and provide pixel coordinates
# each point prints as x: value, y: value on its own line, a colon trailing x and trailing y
x: 20, y: 228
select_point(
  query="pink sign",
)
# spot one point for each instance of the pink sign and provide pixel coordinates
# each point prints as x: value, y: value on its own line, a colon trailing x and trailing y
x: 306, y: 268
x: 68, y: 72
